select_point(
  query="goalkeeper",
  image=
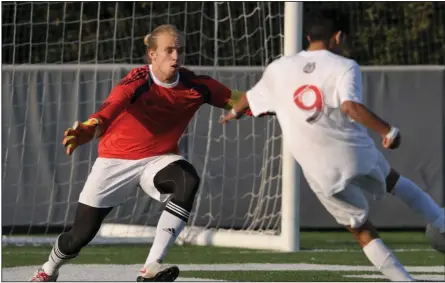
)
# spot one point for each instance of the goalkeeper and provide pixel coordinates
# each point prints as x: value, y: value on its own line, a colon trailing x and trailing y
x: 139, y: 126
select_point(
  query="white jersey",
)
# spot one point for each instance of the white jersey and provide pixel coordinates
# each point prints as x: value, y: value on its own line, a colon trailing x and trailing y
x: 306, y: 92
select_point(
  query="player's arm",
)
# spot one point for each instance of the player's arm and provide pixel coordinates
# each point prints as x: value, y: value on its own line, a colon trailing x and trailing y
x: 240, y: 105
x: 81, y: 133
x: 257, y: 100
x: 220, y: 95
x: 349, y: 90
x: 118, y: 100
x: 235, y: 97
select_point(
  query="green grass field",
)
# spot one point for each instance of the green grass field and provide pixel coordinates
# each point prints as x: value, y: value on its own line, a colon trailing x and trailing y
x: 334, y: 256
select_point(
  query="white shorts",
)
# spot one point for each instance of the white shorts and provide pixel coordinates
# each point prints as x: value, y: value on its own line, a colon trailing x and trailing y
x: 350, y: 207
x: 111, y: 180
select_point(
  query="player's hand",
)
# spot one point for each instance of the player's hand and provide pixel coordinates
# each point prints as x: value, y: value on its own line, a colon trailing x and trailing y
x: 231, y: 115
x: 392, y: 140
x: 79, y: 134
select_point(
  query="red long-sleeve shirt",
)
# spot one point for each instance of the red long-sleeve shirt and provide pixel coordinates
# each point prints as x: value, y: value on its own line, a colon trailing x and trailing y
x: 154, y: 123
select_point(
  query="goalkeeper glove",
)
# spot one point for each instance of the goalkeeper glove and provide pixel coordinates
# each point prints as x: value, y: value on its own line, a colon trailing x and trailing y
x: 80, y: 134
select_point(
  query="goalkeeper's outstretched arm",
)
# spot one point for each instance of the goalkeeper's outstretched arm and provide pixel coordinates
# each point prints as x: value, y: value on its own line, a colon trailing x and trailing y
x: 118, y: 100
x: 81, y: 133
x: 220, y: 95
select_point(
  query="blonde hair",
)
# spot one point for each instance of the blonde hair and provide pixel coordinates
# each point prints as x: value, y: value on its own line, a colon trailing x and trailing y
x: 150, y: 40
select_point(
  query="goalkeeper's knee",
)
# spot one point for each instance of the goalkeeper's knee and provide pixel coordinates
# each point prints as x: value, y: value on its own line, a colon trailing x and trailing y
x: 181, y: 180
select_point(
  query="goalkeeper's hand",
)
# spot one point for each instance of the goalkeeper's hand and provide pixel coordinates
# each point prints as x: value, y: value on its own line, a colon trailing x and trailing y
x: 80, y: 134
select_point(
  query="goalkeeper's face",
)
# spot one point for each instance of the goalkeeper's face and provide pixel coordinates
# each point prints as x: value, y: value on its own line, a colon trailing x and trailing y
x: 168, y: 55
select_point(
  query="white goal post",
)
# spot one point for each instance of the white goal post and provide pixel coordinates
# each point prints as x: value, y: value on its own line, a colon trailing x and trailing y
x: 290, y: 209
x: 272, y: 218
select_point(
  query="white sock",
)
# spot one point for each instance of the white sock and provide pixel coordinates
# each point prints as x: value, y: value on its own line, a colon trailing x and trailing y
x: 56, y: 259
x: 170, y: 225
x: 385, y: 261
x: 420, y: 201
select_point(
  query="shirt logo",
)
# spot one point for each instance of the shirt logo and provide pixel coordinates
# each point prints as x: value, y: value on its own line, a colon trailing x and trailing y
x: 309, y: 68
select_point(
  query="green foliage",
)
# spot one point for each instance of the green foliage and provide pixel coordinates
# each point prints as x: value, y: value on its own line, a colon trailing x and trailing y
x: 401, y: 33
x: 249, y: 33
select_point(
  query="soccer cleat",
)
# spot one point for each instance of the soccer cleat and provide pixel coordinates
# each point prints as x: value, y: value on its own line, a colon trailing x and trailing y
x: 157, y: 272
x: 41, y: 276
x: 435, y: 238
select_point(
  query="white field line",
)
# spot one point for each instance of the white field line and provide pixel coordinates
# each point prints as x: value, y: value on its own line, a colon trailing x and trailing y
x: 433, y: 277
x: 239, y: 252
x: 110, y: 272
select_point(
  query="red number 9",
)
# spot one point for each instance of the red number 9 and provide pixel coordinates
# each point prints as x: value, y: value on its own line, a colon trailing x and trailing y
x: 316, y: 105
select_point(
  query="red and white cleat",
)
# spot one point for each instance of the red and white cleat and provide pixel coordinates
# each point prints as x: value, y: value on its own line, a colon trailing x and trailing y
x: 41, y: 276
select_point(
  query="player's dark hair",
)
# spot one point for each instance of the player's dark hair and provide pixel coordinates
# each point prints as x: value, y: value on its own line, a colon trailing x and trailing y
x: 324, y: 23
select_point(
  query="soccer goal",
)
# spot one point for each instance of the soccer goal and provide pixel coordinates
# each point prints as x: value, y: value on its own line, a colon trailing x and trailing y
x: 60, y: 61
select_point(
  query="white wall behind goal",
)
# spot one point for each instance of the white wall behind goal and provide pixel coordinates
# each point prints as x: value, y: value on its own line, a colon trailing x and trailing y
x: 240, y: 162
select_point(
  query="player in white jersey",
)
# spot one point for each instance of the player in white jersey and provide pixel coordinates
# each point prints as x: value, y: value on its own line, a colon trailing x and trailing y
x: 317, y: 97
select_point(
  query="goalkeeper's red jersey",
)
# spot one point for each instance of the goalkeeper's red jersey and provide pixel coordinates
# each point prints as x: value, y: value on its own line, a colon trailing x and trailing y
x: 142, y: 117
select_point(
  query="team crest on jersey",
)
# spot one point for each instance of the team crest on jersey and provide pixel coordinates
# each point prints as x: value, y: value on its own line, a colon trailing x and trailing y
x: 309, y: 68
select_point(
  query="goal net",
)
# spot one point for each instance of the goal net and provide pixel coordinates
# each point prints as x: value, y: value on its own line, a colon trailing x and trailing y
x: 60, y: 60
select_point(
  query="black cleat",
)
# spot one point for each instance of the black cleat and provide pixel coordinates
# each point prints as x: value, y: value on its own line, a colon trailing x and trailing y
x: 162, y: 273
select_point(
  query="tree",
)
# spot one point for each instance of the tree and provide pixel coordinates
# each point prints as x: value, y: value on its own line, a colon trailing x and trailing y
x: 248, y: 33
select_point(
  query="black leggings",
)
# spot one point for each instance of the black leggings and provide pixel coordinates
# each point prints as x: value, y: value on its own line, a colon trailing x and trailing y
x: 85, y: 227
x: 178, y: 178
